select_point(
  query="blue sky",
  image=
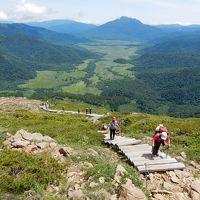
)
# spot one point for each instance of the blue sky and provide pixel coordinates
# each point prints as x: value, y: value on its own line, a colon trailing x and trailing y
x: 101, y: 11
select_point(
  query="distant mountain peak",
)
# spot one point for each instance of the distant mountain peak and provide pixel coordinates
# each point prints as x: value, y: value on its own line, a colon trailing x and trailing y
x: 128, y: 19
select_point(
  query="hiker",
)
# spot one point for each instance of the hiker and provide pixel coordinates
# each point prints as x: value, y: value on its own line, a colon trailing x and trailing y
x: 90, y: 110
x: 113, y: 126
x: 47, y: 105
x: 160, y: 128
x: 86, y: 111
x: 158, y: 139
x: 78, y: 111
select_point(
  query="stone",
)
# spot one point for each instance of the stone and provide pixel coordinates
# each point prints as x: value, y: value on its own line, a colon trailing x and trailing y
x: 56, y: 155
x: 20, y: 143
x: 102, y: 180
x: 25, y: 135
x: 43, y: 145
x: 183, y: 154
x: 113, y: 197
x: 7, y: 144
x: 46, y: 138
x: 180, y: 159
x: 173, y: 177
x: 128, y: 191
x: 195, y: 165
x: 178, y: 196
x: 30, y: 148
x: 194, y: 195
x: 37, y: 137
x: 88, y: 165
x: 93, y: 184
x: 120, y: 171
x: 159, y: 197
x: 66, y: 151
x: 75, y: 194
x: 53, y: 145
x: 182, y: 174
x: 171, y: 187
x: 196, y: 186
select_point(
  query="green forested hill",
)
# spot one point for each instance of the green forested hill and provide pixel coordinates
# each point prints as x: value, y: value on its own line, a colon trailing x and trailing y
x: 40, y: 33
x: 21, y: 54
x: 13, y: 69
x: 38, y: 51
x: 172, y: 69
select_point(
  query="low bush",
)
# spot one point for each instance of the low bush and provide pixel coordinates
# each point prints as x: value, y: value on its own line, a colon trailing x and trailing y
x: 20, y: 171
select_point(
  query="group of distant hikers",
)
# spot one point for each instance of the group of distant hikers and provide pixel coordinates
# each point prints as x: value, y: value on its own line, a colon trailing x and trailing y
x: 160, y: 136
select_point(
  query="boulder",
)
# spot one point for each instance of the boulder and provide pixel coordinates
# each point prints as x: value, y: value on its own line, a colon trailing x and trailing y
x: 171, y: 187
x: 128, y: 191
x: 102, y: 180
x: 30, y: 148
x: 20, y: 143
x: 53, y: 145
x: 37, y: 137
x: 182, y: 174
x: 194, y: 195
x: 7, y: 144
x: 183, y: 154
x: 93, y: 184
x: 180, y: 159
x: 179, y: 196
x: 173, y: 177
x: 46, y: 138
x: 196, y: 186
x: 66, y: 151
x: 195, y: 165
x: 88, y: 165
x: 159, y: 197
x: 120, y: 171
x: 25, y: 135
x: 43, y: 145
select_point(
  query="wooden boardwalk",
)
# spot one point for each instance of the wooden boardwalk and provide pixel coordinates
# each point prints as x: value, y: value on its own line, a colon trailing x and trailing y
x: 93, y: 116
x: 140, y: 155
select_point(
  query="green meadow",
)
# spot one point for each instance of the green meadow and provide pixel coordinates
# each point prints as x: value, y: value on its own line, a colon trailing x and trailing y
x: 84, y: 78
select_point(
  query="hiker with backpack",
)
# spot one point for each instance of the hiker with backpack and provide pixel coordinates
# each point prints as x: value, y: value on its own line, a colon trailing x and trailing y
x: 158, y: 139
x: 113, y: 126
x: 160, y: 128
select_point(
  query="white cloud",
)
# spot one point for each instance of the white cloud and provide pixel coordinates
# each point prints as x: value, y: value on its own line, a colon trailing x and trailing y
x: 3, y: 16
x: 25, y: 10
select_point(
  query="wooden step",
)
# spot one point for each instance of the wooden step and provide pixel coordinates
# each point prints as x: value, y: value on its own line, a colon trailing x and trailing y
x: 160, y: 167
x: 155, y: 162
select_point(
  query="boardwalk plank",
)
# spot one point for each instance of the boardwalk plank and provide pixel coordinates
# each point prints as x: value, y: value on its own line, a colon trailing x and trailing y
x: 155, y: 162
x: 140, y: 155
x: 162, y: 167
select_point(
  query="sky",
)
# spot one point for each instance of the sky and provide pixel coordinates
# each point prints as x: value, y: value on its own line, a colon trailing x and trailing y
x: 100, y: 11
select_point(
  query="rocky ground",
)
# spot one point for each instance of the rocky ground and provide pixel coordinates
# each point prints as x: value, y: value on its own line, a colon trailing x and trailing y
x: 16, y: 103
x: 75, y: 185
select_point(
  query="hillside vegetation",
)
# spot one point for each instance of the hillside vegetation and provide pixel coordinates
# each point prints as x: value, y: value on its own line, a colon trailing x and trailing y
x: 73, y: 130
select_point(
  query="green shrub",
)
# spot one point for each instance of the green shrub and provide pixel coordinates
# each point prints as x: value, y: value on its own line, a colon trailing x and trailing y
x: 20, y: 171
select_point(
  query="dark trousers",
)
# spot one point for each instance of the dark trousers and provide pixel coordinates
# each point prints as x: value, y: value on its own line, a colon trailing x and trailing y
x: 112, y: 134
x: 156, y: 148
